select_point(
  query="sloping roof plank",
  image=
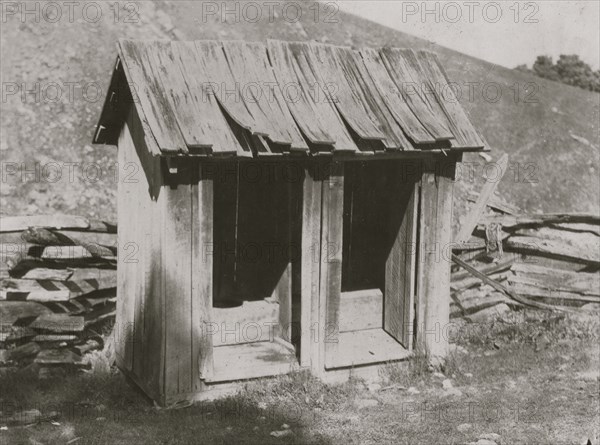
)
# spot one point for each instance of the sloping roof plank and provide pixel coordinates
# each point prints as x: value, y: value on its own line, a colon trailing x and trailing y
x: 142, y: 76
x: 460, y: 123
x: 391, y: 96
x: 203, y: 107
x: 341, y: 87
x: 315, y: 115
x: 260, y: 91
x: 410, y: 84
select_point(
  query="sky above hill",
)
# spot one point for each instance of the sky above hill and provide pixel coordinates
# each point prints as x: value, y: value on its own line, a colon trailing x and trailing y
x: 508, y: 33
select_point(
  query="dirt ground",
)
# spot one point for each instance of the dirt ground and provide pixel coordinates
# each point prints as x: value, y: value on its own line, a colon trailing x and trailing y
x: 527, y: 380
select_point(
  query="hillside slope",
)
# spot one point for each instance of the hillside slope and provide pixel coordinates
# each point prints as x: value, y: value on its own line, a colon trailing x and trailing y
x: 550, y: 130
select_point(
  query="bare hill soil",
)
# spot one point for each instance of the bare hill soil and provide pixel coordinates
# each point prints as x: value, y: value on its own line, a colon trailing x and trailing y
x: 54, y: 77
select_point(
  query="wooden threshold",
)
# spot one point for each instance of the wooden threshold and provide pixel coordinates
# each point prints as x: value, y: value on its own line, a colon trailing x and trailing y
x: 253, y: 360
x: 366, y: 347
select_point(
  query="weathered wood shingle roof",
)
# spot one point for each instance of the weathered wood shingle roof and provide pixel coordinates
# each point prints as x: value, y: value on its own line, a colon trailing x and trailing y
x: 250, y: 99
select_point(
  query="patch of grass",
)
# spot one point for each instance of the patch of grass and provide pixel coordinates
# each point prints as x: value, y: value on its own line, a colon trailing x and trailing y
x: 302, y: 390
x: 530, y: 327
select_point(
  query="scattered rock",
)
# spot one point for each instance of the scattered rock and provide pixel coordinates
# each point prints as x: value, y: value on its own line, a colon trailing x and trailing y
x: 454, y: 392
x: 281, y: 433
x: 468, y: 375
x: 485, y: 442
x: 493, y: 437
x: 413, y: 390
x: 447, y: 384
x: 25, y: 417
x: 511, y: 384
x: 463, y: 427
x: 374, y: 387
x: 366, y: 403
x: 100, y: 419
x: 490, y: 353
x: 285, y: 426
x: 255, y: 428
x: 457, y: 349
x: 439, y: 375
x: 588, y: 376
x: 4, y: 356
x: 591, y: 307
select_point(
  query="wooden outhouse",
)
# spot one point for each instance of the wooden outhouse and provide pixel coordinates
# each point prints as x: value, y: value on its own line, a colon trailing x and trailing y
x: 281, y: 206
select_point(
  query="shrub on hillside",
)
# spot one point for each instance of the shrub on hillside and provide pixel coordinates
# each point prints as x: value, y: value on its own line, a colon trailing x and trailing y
x: 569, y: 69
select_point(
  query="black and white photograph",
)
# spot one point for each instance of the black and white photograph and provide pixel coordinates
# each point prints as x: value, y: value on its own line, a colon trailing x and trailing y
x: 345, y: 222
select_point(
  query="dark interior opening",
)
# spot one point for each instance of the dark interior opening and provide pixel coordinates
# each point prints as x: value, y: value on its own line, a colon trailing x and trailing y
x: 371, y: 220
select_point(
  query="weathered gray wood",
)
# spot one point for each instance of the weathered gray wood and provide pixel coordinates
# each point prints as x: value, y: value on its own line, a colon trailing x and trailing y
x: 58, y: 323
x: 360, y: 310
x: 400, y: 265
x: 331, y: 258
x: 58, y: 357
x: 499, y: 287
x: 251, y: 69
x: 584, y: 282
x: 409, y: 83
x: 154, y: 101
x: 555, y: 248
x: 202, y: 276
x: 459, y: 123
x: 331, y: 71
x: 315, y: 114
x: 252, y: 360
x: 11, y: 311
x: 20, y: 223
x: 475, y: 214
x: 487, y: 269
x: 498, y: 204
x: 177, y: 250
x: 514, y: 221
x: 127, y: 260
x: 310, y: 343
x: 42, y: 273
x: 394, y: 100
x: 216, y: 131
x: 435, y: 234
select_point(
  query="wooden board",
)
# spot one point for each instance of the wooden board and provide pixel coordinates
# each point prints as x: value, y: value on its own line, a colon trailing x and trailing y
x: 261, y: 94
x: 433, y: 267
x: 251, y: 322
x: 202, y: 105
x: 332, y: 69
x: 366, y: 347
x: 191, y: 121
x: 43, y: 273
x: 554, y: 248
x: 409, y: 82
x: 177, y: 256
x: 305, y: 98
x: 253, y: 360
x: 331, y: 258
x: 226, y: 91
x: 11, y: 311
x: 547, y: 276
x: 202, y: 275
x: 393, y: 99
x: 58, y: 323
x: 310, y: 268
x: 21, y: 223
x: 143, y: 73
x: 478, y: 209
x: 401, y: 263
x: 459, y: 123
x: 360, y: 310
